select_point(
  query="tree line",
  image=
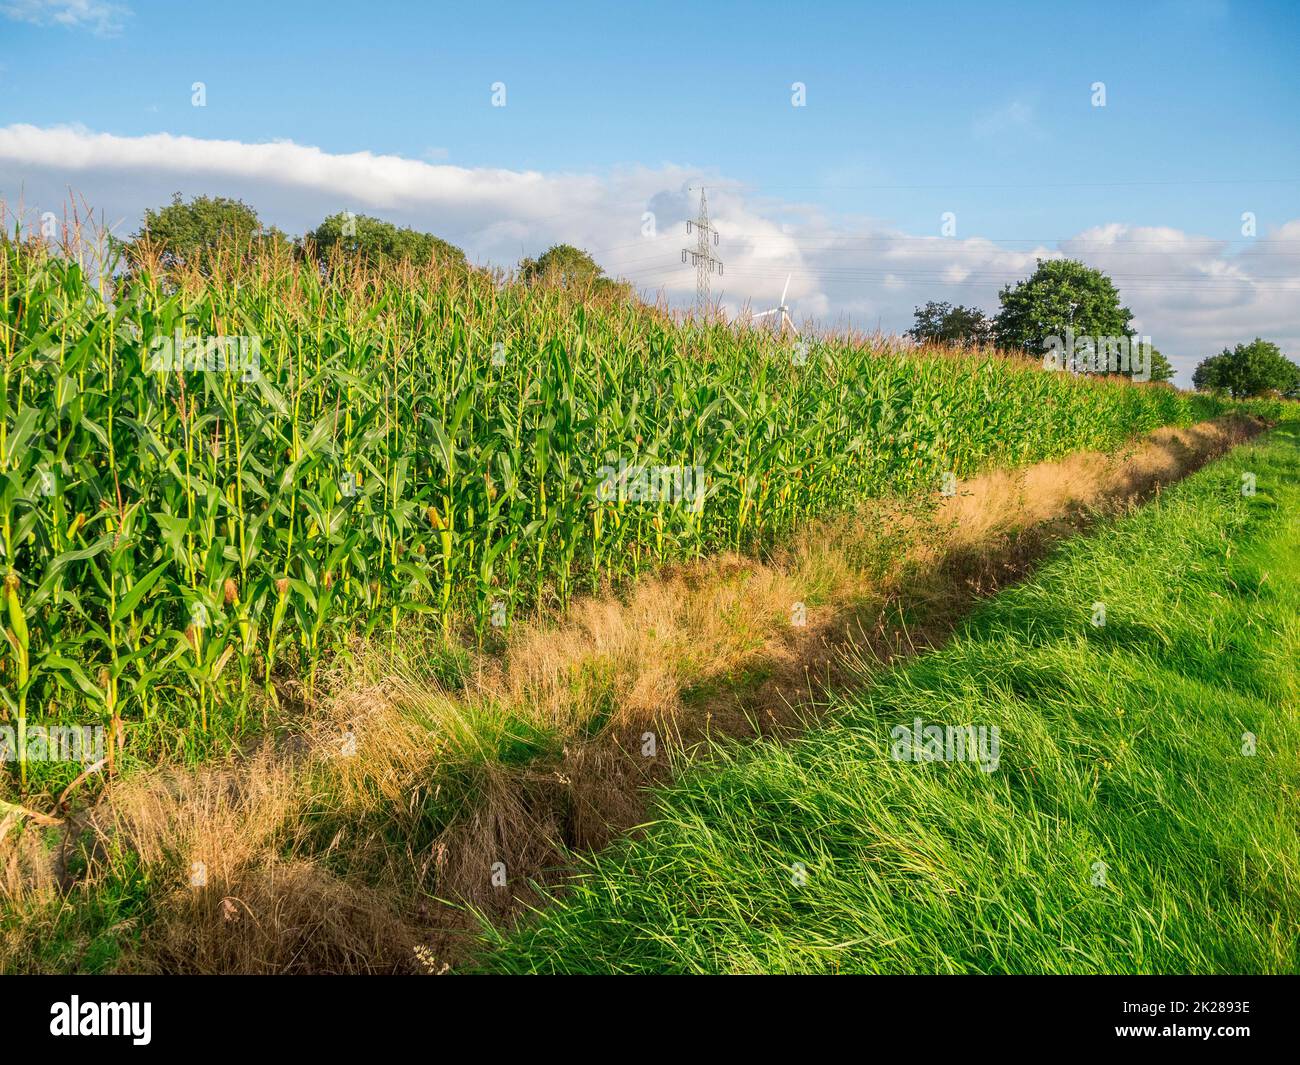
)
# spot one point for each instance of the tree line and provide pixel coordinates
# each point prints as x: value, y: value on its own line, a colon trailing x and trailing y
x: 1064, y: 295
x: 182, y: 232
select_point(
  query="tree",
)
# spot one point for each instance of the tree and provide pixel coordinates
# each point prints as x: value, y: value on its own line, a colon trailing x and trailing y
x: 183, y: 230
x: 942, y: 323
x: 1161, y: 369
x: 562, y: 264
x: 378, y: 241
x: 573, y: 268
x: 1061, y: 295
x: 1249, y: 370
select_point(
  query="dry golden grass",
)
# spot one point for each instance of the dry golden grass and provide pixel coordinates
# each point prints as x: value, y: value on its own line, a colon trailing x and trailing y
x: 279, y: 918
x: 324, y: 855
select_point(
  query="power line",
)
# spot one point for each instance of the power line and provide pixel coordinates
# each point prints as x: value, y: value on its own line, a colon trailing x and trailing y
x: 1045, y: 184
x: 986, y: 271
x: 905, y: 267
x: 946, y: 243
x: 952, y: 246
x: 864, y: 275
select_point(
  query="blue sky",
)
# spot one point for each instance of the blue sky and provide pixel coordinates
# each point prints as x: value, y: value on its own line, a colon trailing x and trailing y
x: 912, y: 110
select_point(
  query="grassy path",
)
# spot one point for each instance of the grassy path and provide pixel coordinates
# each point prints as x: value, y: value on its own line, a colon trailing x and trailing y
x: 1124, y: 828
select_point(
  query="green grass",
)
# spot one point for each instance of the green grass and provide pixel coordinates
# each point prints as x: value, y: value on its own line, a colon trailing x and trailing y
x: 89, y: 933
x: 1120, y: 745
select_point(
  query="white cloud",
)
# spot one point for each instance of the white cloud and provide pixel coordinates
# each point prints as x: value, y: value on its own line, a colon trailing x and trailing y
x: 98, y: 16
x: 1191, y: 294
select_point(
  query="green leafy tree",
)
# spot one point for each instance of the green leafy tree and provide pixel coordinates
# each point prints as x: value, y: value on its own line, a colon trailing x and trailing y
x: 562, y: 264
x: 182, y: 230
x: 1060, y: 295
x: 942, y: 323
x: 378, y: 241
x: 1249, y: 370
x: 573, y: 268
x: 1161, y: 368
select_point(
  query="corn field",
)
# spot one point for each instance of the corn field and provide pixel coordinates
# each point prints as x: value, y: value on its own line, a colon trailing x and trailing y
x: 413, y: 447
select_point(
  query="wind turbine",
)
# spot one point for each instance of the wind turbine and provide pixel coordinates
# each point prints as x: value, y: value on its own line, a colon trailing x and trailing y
x: 781, y: 310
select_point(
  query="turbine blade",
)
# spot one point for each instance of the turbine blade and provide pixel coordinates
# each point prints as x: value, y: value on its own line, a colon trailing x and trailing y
x: 786, y: 289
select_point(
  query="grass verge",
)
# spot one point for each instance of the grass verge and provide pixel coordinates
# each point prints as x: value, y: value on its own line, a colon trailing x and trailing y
x: 1124, y: 829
